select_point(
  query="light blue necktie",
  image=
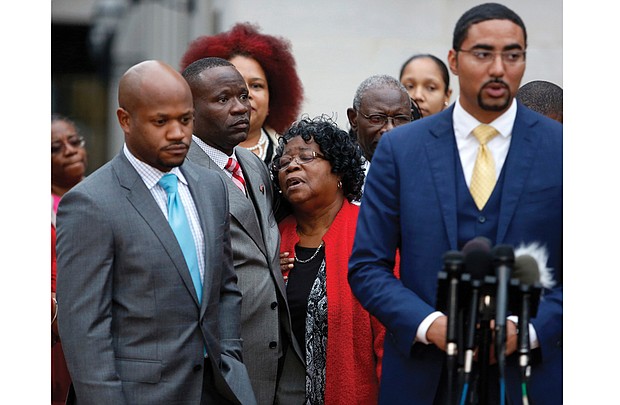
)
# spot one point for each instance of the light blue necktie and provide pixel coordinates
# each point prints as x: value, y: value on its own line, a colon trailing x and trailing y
x: 180, y: 226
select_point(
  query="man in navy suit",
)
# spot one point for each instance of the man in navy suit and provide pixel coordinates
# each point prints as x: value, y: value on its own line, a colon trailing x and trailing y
x: 417, y: 199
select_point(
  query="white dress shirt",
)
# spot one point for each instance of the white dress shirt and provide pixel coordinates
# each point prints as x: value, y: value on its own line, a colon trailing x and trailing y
x: 219, y: 157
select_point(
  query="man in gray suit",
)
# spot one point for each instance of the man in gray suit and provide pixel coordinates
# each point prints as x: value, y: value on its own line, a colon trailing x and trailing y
x: 222, y: 117
x: 136, y: 328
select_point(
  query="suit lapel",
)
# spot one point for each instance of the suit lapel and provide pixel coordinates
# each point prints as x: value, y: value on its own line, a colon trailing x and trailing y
x: 441, y: 155
x: 523, y: 145
x: 256, y: 198
x: 144, y: 203
x: 241, y: 207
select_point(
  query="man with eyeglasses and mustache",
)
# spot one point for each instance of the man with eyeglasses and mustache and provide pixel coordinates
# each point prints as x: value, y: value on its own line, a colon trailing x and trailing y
x: 422, y: 197
x: 380, y: 104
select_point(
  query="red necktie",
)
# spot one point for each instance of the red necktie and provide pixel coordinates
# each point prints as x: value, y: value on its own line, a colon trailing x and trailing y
x: 237, y: 175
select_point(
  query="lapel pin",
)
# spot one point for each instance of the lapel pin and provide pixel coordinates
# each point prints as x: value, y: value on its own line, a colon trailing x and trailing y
x: 262, y: 188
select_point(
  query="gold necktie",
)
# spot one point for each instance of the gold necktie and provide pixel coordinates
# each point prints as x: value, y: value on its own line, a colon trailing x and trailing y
x: 483, y: 178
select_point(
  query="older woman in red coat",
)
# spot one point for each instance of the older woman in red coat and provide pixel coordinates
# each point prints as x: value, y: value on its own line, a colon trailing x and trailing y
x: 319, y: 170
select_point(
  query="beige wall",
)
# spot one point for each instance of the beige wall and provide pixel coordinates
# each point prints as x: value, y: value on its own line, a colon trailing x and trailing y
x: 336, y: 44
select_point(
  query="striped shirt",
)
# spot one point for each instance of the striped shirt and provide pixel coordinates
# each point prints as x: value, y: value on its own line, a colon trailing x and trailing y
x: 151, y: 176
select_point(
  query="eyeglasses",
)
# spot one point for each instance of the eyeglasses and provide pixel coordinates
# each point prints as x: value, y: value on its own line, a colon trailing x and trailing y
x: 382, y: 119
x: 511, y: 57
x: 76, y: 141
x: 285, y: 161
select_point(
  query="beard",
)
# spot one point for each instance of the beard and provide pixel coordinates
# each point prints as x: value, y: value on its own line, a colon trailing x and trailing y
x: 501, y: 104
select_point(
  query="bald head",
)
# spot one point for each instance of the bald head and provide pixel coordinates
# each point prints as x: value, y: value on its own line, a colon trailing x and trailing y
x: 156, y: 114
x: 147, y: 79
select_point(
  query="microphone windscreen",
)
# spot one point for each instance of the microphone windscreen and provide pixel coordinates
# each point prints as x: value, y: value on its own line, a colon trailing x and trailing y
x: 504, y: 253
x: 478, y: 264
x: 526, y: 270
x: 539, y: 252
x: 453, y: 260
x: 479, y: 243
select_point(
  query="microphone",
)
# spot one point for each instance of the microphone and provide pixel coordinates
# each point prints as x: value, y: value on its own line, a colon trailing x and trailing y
x: 479, y: 243
x: 504, y: 258
x: 539, y: 252
x: 478, y: 264
x: 527, y: 272
x: 453, y: 266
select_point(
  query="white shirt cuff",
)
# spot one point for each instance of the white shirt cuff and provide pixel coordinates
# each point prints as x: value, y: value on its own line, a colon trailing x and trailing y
x: 533, y: 336
x: 424, y: 325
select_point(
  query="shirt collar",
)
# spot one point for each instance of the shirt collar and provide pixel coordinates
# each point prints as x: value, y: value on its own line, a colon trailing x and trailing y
x: 464, y: 123
x: 219, y: 157
x: 148, y: 173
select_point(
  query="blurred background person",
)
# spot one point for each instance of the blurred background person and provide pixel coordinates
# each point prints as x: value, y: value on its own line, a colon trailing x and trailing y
x: 69, y: 160
x: 69, y: 157
x: 543, y: 97
x: 380, y: 103
x: 427, y: 80
x: 319, y: 170
x: 268, y: 67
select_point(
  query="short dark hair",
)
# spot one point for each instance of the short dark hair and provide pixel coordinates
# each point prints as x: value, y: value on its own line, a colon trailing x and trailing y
x: 480, y: 13
x: 339, y: 149
x: 193, y: 71
x: 274, y: 54
x: 543, y: 97
x: 445, y: 75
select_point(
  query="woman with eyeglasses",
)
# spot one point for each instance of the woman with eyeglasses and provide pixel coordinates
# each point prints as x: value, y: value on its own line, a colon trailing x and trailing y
x: 68, y: 169
x: 69, y: 157
x: 319, y: 170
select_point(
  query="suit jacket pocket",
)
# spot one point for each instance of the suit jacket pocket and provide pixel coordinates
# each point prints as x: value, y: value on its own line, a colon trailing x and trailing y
x: 135, y: 370
x: 539, y: 195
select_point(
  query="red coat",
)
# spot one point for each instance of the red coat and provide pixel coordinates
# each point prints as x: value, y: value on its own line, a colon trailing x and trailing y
x: 354, y: 337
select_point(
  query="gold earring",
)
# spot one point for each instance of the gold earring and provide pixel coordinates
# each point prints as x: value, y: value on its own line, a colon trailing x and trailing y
x: 339, y: 184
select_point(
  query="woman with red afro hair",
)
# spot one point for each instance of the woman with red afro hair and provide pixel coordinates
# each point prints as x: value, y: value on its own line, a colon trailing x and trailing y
x: 268, y: 67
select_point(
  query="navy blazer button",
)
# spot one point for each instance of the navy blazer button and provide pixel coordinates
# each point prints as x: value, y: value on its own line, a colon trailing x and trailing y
x: 273, y: 345
x: 274, y: 305
x: 482, y: 219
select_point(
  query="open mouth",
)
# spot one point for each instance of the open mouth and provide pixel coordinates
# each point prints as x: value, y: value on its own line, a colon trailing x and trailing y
x: 292, y: 182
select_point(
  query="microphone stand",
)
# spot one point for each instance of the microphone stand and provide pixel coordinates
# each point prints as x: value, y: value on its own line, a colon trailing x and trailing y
x: 486, y: 315
x: 524, y: 345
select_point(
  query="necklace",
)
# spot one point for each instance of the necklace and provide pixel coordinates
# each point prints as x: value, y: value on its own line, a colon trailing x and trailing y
x: 260, y: 145
x: 316, y: 252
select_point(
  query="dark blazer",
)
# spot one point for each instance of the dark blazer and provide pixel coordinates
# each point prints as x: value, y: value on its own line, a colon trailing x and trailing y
x: 265, y: 317
x: 131, y: 326
x: 410, y: 202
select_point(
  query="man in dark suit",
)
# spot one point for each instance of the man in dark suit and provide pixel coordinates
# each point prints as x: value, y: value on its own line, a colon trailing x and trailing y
x: 222, y: 116
x: 417, y: 198
x: 144, y: 317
